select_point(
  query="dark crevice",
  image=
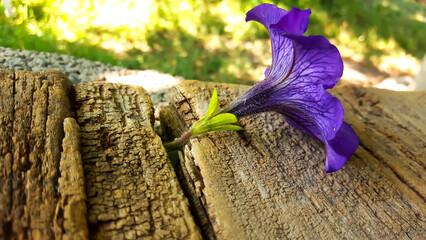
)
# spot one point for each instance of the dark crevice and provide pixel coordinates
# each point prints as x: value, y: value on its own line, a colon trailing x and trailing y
x: 7, y: 230
x: 190, y: 107
x: 152, y: 228
x: 26, y: 165
x: 94, y: 229
x: 198, y: 211
x: 12, y: 152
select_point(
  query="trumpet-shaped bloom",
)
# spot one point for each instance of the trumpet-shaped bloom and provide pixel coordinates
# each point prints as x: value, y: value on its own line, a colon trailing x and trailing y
x: 302, y: 68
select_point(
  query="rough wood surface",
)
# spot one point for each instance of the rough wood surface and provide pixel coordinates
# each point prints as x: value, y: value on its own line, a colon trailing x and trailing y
x: 71, y: 185
x: 131, y: 187
x: 268, y: 181
x: 33, y: 107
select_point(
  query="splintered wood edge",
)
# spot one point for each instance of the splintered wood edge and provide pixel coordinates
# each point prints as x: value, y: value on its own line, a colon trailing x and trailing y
x: 71, y: 184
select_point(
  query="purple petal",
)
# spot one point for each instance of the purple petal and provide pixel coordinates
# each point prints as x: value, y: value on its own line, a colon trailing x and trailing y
x: 302, y: 68
x: 310, y: 59
x: 307, y: 107
x: 267, y: 70
x: 266, y: 73
x: 341, y: 148
x: 320, y: 115
x: 314, y: 67
x: 266, y: 14
x: 295, y: 22
x: 316, y: 61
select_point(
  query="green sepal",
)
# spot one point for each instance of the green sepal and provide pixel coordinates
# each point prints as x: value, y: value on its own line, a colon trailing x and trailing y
x: 226, y: 128
x: 213, y: 106
x: 200, y: 129
x: 209, y: 123
x: 212, y: 110
x: 222, y: 119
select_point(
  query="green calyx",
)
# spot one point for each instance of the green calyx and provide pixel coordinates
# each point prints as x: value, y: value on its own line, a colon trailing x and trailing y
x: 212, y: 122
x: 209, y: 123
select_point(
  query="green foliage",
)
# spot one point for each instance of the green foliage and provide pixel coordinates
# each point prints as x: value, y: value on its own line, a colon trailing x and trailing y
x: 206, y: 39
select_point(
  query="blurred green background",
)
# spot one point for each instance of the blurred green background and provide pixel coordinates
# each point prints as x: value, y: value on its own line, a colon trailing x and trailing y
x: 209, y: 39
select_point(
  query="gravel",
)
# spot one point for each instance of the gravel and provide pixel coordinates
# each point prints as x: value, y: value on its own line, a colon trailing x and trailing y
x: 77, y: 69
x: 80, y: 70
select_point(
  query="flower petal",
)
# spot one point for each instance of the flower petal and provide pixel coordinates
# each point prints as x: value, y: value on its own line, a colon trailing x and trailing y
x: 320, y: 115
x: 267, y: 70
x: 315, y: 67
x: 282, y: 54
x: 307, y: 107
x: 302, y: 68
x: 294, y: 22
x: 341, y: 148
x: 315, y: 60
x: 266, y: 14
x: 311, y: 59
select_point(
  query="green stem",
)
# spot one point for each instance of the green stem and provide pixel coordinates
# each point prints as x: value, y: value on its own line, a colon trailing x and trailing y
x: 180, y: 142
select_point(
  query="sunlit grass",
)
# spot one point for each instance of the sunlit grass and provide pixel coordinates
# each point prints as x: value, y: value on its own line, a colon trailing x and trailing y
x: 210, y: 40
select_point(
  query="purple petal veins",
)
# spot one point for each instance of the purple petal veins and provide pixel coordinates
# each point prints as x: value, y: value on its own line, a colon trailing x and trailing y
x: 302, y: 68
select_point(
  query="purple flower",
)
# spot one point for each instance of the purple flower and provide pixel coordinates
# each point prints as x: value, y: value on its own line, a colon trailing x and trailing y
x: 302, y: 68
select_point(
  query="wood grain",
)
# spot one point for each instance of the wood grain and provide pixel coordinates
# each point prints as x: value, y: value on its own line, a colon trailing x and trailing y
x: 131, y: 187
x: 33, y: 107
x: 268, y: 181
x: 71, y: 185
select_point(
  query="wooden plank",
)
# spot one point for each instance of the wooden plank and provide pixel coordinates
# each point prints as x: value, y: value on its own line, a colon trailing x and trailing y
x: 131, y: 187
x: 32, y: 109
x: 268, y: 181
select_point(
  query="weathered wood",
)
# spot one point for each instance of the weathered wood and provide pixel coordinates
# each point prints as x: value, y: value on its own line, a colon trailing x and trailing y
x: 268, y: 181
x: 131, y: 187
x: 391, y: 127
x: 32, y: 109
x: 71, y: 185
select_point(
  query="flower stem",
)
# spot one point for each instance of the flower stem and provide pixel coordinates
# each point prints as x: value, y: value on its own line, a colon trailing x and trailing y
x: 178, y: 143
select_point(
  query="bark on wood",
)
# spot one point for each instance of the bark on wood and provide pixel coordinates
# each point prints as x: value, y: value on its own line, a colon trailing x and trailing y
x: 32, y: 109
x: 268, y: 181
x: 131, y: 187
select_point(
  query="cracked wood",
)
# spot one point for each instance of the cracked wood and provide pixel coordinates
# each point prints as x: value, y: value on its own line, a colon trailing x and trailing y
x: 131, y: 187
x: 268, y: 181
x: 33, y: 107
